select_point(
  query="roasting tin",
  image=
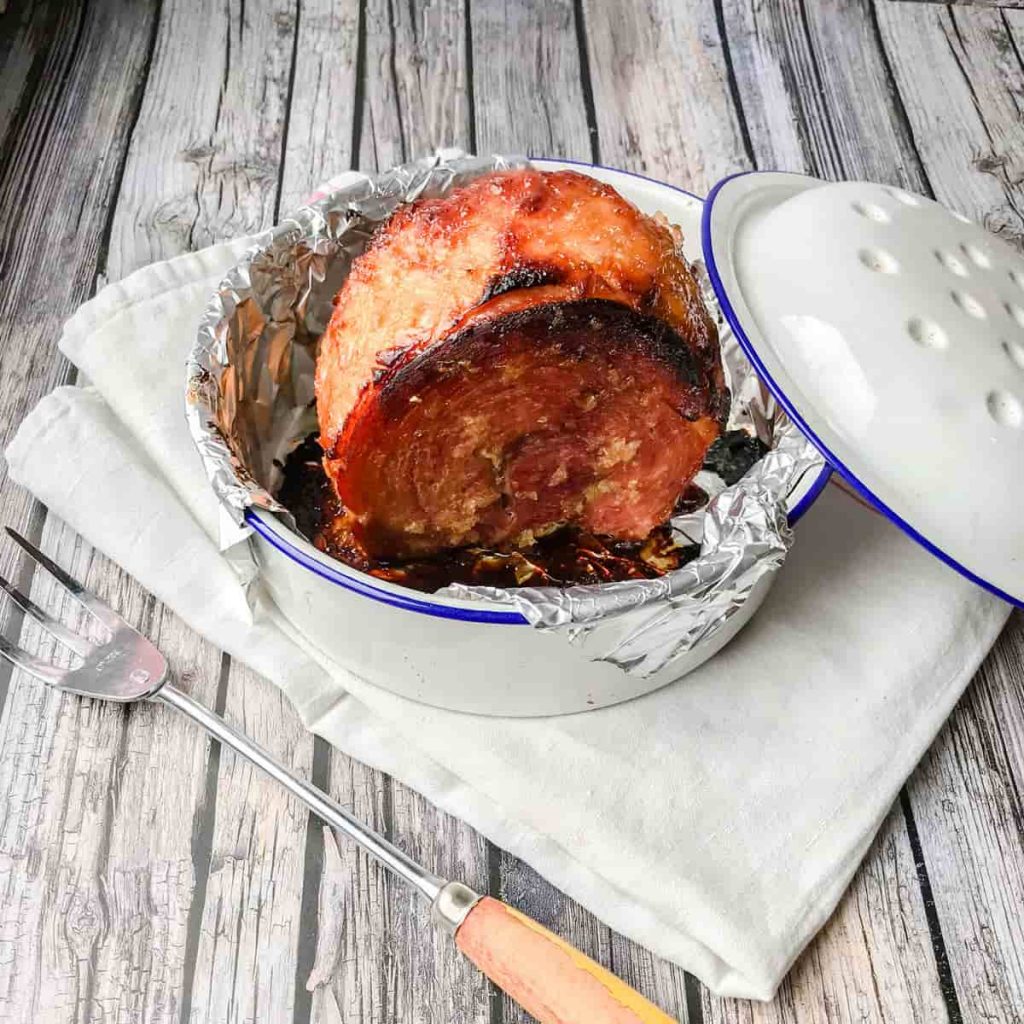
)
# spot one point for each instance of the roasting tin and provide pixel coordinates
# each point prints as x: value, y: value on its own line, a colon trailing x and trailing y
x: 250, y: 400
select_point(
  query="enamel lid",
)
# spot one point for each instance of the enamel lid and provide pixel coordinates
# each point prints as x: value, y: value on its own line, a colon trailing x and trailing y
x: 892, y: 332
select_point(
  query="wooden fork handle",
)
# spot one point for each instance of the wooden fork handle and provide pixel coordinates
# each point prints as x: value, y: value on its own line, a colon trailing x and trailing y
x: 550, y: 979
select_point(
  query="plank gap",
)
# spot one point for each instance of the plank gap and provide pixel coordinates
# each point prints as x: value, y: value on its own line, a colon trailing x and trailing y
x: 906, y: 129
x: 202, y: 847
x: 359, y: 100
x: 289, y: 95
x: 694, y: 1003
x: 22, y: 579
x: 946, y: 984
x: 312, y: 875
x: 734, y: 92
x: 135, y: 108
x: 467, y: 15
x: 586, y: 83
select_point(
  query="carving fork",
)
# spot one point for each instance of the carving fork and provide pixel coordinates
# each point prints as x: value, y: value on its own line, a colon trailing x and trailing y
x: 553, y: 981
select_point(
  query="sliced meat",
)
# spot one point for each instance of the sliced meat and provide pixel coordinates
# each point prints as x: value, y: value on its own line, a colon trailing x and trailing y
x: 584, y: 412
x: 559, y: 235
x: 453, y: 411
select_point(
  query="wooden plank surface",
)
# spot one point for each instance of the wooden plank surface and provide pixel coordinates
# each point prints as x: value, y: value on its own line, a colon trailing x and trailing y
x: 204, y: 895
x: 966, y: 796
x: 205, y: 166
x: 69, y: 103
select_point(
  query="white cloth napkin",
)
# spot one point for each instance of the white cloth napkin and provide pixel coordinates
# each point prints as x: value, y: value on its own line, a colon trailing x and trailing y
x: 716, y: 821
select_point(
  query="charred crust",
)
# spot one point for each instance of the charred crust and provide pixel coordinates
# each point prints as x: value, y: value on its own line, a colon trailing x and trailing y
x: 579, y: 329
x: 522, y: 276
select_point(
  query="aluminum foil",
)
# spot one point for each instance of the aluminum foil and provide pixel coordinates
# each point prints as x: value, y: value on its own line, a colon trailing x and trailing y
x: 250, y: 399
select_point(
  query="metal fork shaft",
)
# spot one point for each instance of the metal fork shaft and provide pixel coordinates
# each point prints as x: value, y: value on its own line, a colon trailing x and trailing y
x: 428, y: 884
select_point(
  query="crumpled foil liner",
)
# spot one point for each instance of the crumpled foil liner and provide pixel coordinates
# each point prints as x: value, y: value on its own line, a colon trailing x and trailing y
x: 249, y: 401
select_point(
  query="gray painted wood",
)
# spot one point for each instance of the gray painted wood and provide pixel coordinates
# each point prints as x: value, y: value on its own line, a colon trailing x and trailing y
x: 967, y: 793
x: 205, y: 155
x: 202, y: 894
x: 67, y: 99
x: 378, y: 958
x: 872, y: 961
x: 95, y: 863
x: 197, y: 171
x: 321, y: 115
x: 661, y: 91
x: 416, y: 82
x: 814, y: 86
x: 967, y: 803
x: 528, y: 93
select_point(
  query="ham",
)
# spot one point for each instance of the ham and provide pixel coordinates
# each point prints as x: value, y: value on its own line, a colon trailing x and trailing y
x: 527, y: 352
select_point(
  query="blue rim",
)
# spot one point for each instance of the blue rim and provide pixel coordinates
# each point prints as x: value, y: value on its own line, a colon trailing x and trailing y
x: 406, y: 600
x: 363, y: 584
x: 762, y: 371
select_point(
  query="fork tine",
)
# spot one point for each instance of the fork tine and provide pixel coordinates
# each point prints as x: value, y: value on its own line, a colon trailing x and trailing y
x: 79, y: 644
x: 42, y: 670
x: 89, y: 601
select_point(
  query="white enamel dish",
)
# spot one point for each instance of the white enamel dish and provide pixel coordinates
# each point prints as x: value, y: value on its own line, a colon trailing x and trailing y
x: 892, y: 332
x: 477, y: 656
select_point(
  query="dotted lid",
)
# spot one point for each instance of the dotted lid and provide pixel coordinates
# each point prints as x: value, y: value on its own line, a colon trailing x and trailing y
x: 892, y: 331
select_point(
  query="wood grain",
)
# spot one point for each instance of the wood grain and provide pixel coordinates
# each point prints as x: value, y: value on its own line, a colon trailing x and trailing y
x: 65, y: 122
x: 815, y: 87
x: 251, y: 913
x: 661, y: 92
x: 87, y: 866
x: 527, y: 80
x: 205, y: 155
x: 531, y: 89
x: 416, y: 81
x: 199, y: 171
x: 378, y: 958
x: 872, y: 961
x: 321, y: 140
x: 966, y: 795
x: 256, y: 907
x: 967, y: 803
x: 134, y: 890
x: 375, y: 955
x: 69, y: 93
x: 968, y: 136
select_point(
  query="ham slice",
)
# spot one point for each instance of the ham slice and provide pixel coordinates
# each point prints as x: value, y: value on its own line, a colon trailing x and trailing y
x: 527, y: 352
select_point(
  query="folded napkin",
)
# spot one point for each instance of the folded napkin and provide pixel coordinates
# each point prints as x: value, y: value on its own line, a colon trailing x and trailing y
x: 716, y: 821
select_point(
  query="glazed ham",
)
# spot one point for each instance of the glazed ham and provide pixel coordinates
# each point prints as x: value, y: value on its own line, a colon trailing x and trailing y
x: 527, y: 352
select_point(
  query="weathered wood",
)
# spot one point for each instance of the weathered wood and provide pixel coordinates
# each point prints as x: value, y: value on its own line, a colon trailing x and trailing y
x: 661, y: 92
x: 960, y: 78
x: 815, y: 92
x: 527, y: 83
x: 968, y: 808
x: 205, y: 155
x: 204, y: 165
x: 29, y: 30
x: 968, y: 132
x: 530, y: 94
x: 416, y: 81
x: 245, y: 957
x: 320, y: 142
x: 89, y: 868
x: 69, y: 93
x: 1011, y: 4
x: 73, y: 101
x: 104, y: 888
x: 228, y: 191
x: 872, y: 961
x: 378, y: 957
